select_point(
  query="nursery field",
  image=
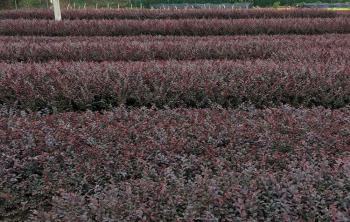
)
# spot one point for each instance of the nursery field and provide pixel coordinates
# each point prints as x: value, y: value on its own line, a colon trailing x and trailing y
x: 175, y: 115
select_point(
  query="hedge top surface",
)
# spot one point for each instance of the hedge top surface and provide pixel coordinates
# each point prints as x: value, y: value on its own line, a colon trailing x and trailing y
x: 185, y: 27
x: 171, y: 14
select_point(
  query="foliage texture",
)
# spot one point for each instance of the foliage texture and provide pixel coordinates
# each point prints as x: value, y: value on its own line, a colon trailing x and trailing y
x: 188, y: 27
x: 151, y: 165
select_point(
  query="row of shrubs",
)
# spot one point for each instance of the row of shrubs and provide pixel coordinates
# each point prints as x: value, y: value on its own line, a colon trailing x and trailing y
x: 187, y: 27
x: 171, y: 14
x: 160, y: 165
x: 328, y: 40
x: 79, y: 86
x: 145, y: 48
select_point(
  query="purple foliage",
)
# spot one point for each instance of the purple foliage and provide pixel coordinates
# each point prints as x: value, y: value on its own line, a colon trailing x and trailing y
x: 278, y: 164
x: 80, y: 86
x: 165, y: 144
x: 172, y: 14
x: 187, y: 27
x: 143, y: 48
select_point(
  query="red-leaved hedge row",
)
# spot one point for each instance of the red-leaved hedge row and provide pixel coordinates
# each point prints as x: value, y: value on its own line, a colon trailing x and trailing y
x: 147, y: 165
x: 143, y: 48
x: 331, y: 40
x: 187, y: 27
x: 171, y: 14
x: 79, y: 86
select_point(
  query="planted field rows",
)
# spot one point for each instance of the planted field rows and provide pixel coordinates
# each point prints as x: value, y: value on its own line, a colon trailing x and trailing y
x: 146, y: 48
x: 175, y: 115
x: 80, y: 86
x: 172, y: 163
x: 172, y: 14
x: 187, y: 27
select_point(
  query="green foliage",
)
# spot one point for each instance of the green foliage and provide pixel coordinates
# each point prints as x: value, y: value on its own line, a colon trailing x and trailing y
x: 31, y: 3
x: 276, y: 4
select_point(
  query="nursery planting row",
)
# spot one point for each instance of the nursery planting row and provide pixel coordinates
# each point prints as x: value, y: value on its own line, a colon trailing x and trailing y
x: 79, y: 86
x: 172, y: 14
x: 275, y: 164
x: 181, y: 48
x: 188, y: 27
x: 328, y: 40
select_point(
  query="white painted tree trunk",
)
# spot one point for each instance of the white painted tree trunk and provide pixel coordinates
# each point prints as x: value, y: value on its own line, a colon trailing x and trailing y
x: 57, y: 10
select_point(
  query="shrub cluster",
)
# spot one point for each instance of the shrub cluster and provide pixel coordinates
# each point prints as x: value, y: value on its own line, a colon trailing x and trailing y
x: 145, y: 48
x: 96, y: 86
x: 275, y: 164
x: 188, y: 27
x: 172, y: 14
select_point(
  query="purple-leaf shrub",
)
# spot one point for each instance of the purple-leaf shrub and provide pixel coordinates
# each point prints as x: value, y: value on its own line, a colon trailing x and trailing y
x: 171, y: 14
x: 182, y: 164
x: 185, y: 27
x: 145, y: 48
x: 80, y: 85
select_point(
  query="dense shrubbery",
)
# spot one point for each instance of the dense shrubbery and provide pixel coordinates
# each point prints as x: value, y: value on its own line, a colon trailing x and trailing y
x: 172, y: 14
x: 189, y: 27
x: 150, y: 153
x: 80, y: 86
x: 328, y: 40
x: 144, y: 48
x: 278, y: 164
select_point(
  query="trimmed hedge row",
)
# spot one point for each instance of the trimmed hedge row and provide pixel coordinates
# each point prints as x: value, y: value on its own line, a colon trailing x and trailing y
x: 328, y: 39
x: 79, y: 86
x: 187, y: 27
x: 171, y: 14
x: 274, y: 164
x: 144, y: 48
